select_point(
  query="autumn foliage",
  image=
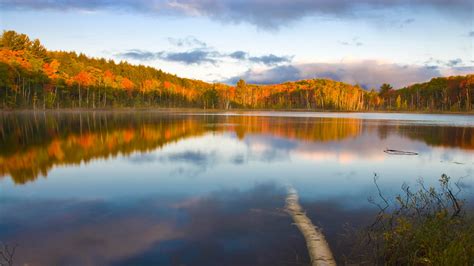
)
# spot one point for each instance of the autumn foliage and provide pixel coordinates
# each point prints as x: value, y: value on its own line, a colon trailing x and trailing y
x: 32, y: 77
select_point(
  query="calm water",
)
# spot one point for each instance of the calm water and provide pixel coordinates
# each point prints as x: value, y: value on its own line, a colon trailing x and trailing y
x: 207, y: 189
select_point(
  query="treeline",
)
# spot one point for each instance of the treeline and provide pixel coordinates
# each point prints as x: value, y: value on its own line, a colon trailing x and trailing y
x: 33, y: 77
x: 439, y: 94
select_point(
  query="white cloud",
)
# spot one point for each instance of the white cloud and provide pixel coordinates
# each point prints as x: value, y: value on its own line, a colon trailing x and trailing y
x: 367, y: 73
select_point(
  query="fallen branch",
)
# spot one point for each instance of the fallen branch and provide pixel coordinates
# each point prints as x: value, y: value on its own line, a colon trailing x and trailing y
x: 398, y: 152
x: 318, y: 248
x: 6, y: 255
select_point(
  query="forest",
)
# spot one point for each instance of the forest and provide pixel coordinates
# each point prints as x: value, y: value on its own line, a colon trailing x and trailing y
x: 32, y: 77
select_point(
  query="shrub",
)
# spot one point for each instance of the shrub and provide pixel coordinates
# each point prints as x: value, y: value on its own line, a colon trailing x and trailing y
x: 426, y: 227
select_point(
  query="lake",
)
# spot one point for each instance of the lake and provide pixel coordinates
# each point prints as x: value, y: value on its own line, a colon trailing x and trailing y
x: 182, y: 188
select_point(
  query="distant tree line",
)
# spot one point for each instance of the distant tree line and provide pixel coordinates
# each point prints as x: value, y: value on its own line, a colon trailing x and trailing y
x: 439, y: 94
x: 33, y: 77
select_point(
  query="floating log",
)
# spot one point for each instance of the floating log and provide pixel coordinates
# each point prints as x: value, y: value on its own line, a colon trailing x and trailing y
x: 398, y: 152
x: 318, y: 248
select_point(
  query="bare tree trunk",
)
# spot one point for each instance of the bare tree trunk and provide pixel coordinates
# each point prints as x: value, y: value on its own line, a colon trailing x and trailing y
x: 318, y: 248
x: 468, y: 100
x: 80, y: 96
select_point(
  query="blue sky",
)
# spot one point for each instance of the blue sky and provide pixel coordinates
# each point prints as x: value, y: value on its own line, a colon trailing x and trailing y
x: 366, y: 42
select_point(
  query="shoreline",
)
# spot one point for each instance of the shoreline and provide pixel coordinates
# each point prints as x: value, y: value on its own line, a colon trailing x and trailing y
x: 211, y: 111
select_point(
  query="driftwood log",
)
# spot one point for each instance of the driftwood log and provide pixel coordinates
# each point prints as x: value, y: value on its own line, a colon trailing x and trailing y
x: 318, y: 248
x: 398, y: 152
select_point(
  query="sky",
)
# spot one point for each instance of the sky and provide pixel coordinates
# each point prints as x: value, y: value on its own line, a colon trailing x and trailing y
x: 365, y: 42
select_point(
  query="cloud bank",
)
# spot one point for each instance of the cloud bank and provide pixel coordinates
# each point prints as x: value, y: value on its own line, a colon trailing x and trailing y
x: 201, y: 55
x: 262, y: 13
x: 366, y: 73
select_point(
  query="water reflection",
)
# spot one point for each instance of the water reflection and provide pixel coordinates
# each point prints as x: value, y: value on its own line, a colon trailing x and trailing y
x: 32, y: 144
x: 184, y: 189
x: 228, y: 227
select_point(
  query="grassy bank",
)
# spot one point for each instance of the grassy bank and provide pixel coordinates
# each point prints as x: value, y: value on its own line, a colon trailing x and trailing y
x: 430, y: 226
